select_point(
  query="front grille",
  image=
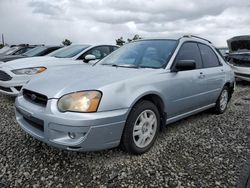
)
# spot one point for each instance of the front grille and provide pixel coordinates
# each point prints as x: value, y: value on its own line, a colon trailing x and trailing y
x: 240, y: 63
x: 243, y: 75
x: 4, y: 76
x: 7, y: 89
x: 35, y: 97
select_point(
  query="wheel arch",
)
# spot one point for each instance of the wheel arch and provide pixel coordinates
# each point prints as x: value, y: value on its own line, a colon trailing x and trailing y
x: 158, y: 101
x: 230, y: 86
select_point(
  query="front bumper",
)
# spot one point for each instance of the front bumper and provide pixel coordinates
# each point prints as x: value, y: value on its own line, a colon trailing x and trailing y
x: 13, y: 86
x: 241, y: 72
x: 71, y: 131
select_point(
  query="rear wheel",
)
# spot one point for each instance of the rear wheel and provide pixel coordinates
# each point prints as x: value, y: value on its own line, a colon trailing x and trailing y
x: 222, y: 102
x: 141, y: 128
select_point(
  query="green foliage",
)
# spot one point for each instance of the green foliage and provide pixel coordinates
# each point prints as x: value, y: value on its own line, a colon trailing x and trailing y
x: 121, y: 42
x: 66, y: 42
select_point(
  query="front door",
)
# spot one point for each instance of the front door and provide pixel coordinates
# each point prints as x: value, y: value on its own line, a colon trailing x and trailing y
x: 185, y: 88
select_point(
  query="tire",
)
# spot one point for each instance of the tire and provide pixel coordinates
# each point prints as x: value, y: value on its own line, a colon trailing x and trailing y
x: 244, y: 178
x: 222, y: 101
x: 141, y: 128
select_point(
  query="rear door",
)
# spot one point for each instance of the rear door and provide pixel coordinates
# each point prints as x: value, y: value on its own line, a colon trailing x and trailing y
x: 213, y: 73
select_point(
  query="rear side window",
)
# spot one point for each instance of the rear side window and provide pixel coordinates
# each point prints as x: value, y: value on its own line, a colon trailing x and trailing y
x: 190, y: 51
x: 209, y: 58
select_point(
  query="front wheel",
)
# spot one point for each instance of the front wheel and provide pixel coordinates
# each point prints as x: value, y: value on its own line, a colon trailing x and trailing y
x: 141, y: 128
x: 244, y: 178
x: 222, y: 102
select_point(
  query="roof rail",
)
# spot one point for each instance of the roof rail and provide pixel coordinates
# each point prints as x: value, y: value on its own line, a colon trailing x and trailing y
x: 189, y: 36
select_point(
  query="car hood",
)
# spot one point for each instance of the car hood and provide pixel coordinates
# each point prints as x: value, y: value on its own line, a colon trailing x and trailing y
x: 61, y: 80
x: 239, y: 44
x: 44, y: 61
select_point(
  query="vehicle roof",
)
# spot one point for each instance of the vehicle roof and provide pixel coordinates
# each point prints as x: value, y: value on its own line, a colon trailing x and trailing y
x: 50, y: 46
x: 183, y: 37
x: 93, y: 45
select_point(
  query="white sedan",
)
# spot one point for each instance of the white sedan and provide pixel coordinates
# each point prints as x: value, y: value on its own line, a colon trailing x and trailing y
x: 15, y: 74
x: 239, y: 56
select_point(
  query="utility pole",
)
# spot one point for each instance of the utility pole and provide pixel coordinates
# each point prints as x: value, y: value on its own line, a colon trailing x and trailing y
x: 2, y: 39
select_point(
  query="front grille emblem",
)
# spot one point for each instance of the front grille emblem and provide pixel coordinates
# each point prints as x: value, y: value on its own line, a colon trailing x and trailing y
x: 33, y: 97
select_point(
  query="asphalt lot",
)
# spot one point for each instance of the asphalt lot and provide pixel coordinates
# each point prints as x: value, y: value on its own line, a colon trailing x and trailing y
x: 204, y: 150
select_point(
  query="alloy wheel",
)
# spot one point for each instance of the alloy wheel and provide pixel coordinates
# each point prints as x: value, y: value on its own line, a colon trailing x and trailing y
x: 145, y: 128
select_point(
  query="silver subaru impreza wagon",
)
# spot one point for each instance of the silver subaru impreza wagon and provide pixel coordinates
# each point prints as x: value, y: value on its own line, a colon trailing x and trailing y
x: 127, y: 97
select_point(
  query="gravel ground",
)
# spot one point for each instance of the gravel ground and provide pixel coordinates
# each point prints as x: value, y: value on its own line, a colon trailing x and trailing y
x: 204, y: 150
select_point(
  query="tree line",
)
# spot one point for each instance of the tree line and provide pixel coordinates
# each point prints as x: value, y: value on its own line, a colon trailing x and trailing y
x: 120, y: 41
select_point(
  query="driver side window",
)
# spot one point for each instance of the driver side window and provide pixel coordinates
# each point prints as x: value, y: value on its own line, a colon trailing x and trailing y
x: 189, y: 51
x: 99, y: 52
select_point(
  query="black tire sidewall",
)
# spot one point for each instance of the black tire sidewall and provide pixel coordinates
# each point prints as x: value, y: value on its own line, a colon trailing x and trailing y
x: 127, y: 138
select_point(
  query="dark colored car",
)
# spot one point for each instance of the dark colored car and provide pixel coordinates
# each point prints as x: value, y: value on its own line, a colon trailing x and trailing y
x: 37, y: 51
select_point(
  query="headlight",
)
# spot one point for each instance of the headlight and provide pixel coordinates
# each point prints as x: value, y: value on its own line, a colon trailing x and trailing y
x: 83, y: 101
x: 29, y: 71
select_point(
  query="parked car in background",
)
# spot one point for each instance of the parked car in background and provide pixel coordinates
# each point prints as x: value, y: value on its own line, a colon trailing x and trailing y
x: 224, y: 52
x: 127, y: 96
x: 17, y: 50
x: 79, y: 52
x: 14, y: 74
x: 239, y: 56
x: 37, y: 51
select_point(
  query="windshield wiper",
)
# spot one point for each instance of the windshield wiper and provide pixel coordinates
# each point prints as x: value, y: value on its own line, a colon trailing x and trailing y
x: 57, y: 56
x: 144, y: 66
x: 121, y: 65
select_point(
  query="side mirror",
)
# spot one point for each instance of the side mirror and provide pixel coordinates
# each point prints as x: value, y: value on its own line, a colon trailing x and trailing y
x: 88, y: 58
x: 183, y: 65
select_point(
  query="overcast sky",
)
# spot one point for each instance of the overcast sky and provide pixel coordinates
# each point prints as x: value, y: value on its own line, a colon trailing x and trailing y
x: 102, y: 21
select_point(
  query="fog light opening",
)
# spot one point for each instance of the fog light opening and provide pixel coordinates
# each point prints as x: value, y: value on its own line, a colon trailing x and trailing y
x: 72, y: 135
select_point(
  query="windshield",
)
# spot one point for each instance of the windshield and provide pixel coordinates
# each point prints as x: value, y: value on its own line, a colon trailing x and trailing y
x: 142, y: 54
x: 69, y: 51
x: 11, y: 50
x: 35, y: 51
